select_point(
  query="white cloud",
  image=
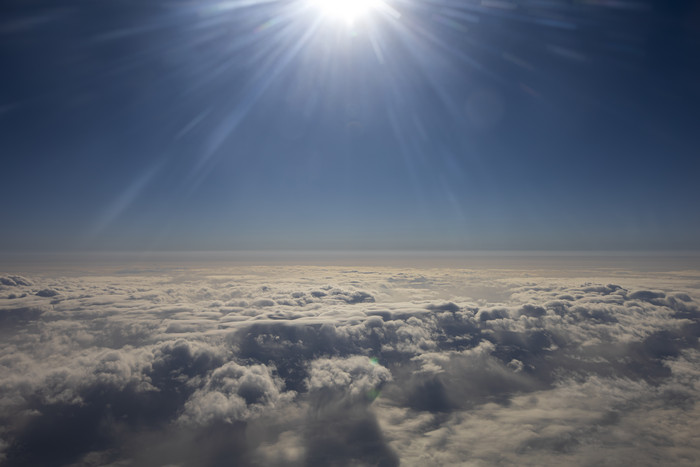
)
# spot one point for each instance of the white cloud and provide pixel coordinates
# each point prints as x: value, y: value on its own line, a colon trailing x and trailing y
x: 356, y: 375
x: 233, y: 392
x: 287, y: 365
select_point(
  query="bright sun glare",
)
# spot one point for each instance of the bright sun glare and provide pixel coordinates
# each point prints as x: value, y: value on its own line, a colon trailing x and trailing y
x: 346, y: 10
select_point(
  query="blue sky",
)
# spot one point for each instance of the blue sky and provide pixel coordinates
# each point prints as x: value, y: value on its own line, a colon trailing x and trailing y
x: 422, y: 125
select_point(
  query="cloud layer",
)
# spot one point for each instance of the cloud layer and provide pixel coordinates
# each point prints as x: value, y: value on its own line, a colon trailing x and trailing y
x: 330, y: 366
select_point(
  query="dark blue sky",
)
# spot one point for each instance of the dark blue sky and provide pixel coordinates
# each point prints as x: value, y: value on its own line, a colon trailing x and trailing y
x: 246, y: 125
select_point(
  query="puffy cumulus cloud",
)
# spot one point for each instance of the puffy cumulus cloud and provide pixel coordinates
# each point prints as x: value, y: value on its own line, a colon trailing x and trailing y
x: 234, y: 392
x: 589, y: 421
x: 310, y: 365
x: 14, y: 281
x: 356, y: 375
x: 341, y: 428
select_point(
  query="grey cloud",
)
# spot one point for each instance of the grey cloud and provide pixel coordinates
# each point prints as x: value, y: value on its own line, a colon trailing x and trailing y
x: 341, y: 436
x: 10, y: 316
x: 341, y: 428
x: 646, y: 295
x: 233, y: 393
x: 311, y: 366
x: 353, y: 297
x: 355, y: 375
x: 488, y: 315
x: 15, y: 281
x: 444, y: 307
x: 532, y: 311
x: 47, y: 293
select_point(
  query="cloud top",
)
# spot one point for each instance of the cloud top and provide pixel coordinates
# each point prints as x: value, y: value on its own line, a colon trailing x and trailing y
x: 336, y: 366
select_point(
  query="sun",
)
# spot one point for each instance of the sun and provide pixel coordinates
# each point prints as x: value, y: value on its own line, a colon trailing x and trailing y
x: 346, y: 10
